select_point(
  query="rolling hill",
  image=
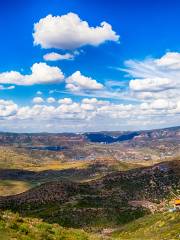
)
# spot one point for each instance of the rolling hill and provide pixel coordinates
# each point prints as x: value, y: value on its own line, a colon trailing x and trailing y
x: 102, y: 202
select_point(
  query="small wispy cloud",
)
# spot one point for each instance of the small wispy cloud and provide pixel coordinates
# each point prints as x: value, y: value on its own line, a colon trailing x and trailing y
x: 6, y: 88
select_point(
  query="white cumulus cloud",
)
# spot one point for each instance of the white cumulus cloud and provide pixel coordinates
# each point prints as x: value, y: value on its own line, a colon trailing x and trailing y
x: 170, y: 60
x: 65, y: 101
x: 150, y: 84
x: 38, y: 100
x: 70, y: 32
x: 51, y: 100
x: 78, y: 82
x: 41, y: 73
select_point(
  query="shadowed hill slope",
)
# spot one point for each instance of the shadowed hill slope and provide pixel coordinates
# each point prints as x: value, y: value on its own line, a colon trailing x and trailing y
x: 99, y: 202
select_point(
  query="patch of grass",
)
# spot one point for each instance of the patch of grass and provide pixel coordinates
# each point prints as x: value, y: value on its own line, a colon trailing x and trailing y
x: 13, y: 158
x: 55, y: 165
x: 164, y: 226
x: 12, y: 226
x: 12, y: 187
x: 124, y: 166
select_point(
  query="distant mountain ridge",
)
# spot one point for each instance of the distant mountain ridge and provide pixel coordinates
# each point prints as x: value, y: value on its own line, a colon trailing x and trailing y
x: 105, y: 138
x: 64, y: 139
x: 119, y: 136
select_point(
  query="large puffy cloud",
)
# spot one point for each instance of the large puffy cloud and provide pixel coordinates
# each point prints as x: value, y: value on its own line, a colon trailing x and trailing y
x: 77, y: 82
x: 70, y: 32
x: 41, y: 74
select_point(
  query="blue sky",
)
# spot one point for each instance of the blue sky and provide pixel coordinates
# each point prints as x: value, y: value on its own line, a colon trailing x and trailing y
x: 84, y: 76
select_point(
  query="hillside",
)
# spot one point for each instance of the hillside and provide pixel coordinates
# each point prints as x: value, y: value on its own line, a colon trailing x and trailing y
x: 160, y: 226
x: 12, y: 227
x: 102, y: 202
x: 22, y: 169
x: 164, y: 226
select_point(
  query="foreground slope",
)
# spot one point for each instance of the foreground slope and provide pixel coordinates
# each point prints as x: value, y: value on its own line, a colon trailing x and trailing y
x: 12, y: 227
x: 159, y: 226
